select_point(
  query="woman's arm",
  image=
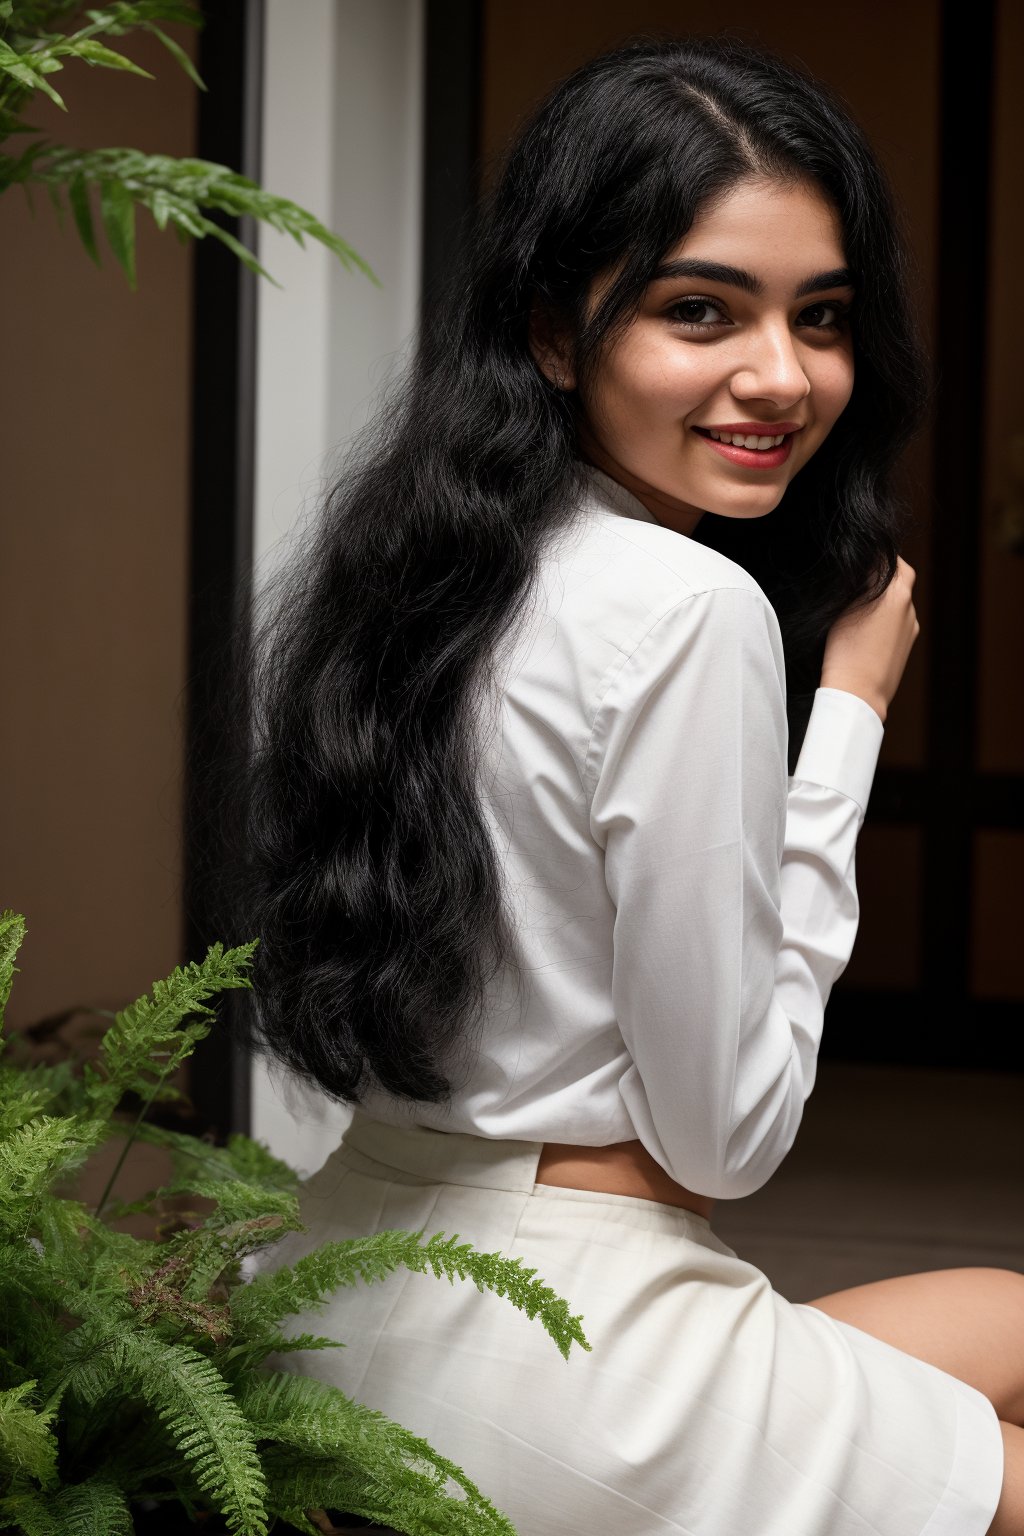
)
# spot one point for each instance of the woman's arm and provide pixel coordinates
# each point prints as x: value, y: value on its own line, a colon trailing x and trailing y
x: 736, y: 903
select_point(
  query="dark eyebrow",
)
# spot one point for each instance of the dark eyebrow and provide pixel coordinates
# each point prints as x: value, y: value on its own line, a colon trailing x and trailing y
x: 736, y: 277
x: 835, y: 277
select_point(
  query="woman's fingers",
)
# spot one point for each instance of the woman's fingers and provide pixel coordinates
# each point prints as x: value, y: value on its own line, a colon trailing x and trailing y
x: 868, y: 646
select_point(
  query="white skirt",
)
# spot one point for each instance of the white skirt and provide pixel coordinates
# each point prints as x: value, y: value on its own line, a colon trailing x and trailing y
x: 709, y: 1404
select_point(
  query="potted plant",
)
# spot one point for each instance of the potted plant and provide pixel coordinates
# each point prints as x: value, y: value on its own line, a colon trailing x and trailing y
x: 134, y: 1390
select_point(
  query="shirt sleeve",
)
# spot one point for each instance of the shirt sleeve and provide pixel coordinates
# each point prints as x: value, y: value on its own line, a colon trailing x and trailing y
x: 733, y: 885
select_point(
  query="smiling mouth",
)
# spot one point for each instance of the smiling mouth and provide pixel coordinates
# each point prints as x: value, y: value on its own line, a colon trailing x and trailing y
x: 763, y: 451
x: 754, y: 441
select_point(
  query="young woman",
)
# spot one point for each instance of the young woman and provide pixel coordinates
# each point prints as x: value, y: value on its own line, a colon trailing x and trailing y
x: 535, y: 889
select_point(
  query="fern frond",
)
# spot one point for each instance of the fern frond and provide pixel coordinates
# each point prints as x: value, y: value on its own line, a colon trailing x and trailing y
x: 92, y: 1365
x: 49, y: 1087
x: 96, y: 1507
x: 123, y: 16
x: 32, y: 1306
x: 33, y: 52
x: 28, y: 1446
x: 59, y: 1226
x: 175, y: 191
x: 238, y: 1203
x: 12, y: 934
x: 254, y: 1163
x: 23, y: 72
x: 150, y: 1038
x: 34, y: 1156
x: 192, y: 1400
x: 240, y: 1159
x: 330, y: 1451
x: 20, y: 1101
x: 28, y: 1512
x: 505, y: 1277
x: 115, y: 1259
x: 309, y: 1282
x: 162, y: 1299
x: 239, y: 1359
x: 115, y: 20
x: 213, y: 1256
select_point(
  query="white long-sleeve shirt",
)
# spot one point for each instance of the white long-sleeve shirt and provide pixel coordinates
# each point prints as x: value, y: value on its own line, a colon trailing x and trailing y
x: 680, y: 908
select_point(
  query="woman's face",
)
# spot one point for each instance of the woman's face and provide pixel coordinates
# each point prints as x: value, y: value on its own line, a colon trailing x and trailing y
x: 743, y: 333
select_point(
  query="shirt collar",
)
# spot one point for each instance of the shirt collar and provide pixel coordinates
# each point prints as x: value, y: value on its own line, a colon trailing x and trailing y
x: 613, y: 497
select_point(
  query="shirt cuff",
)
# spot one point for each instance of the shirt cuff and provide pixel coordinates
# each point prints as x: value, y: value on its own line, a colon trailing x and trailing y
x: 841, y: 744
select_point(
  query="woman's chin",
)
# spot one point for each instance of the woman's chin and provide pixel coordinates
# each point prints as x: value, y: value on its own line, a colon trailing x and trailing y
x: 750, y: 504
x: 742, y: 514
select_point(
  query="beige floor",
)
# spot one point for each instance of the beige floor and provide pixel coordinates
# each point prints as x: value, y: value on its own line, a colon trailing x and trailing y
x: 894, y: 1170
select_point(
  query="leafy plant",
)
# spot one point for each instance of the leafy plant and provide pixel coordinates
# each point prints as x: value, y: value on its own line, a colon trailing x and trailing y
x: 175, y: 191
x: 134, y: 1369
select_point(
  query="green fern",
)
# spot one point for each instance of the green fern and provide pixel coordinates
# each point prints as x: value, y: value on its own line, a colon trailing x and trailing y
x: 33, y: 1157
x: 135, y: 1368
x: 28, y: 1447
x: 27, y: 1511
x: 375, y: 1462
x: 173, y: 191
x: 12, y: 935
x: 149, y: 1040
x: 96, y: 1507
x: 202, y: 1418
x: 272, y: 1296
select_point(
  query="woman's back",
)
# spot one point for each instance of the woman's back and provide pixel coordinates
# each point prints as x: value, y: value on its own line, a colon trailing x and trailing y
x: 633, y: 776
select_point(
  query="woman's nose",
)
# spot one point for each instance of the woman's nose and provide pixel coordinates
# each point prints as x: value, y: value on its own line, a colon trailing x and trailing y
x: 771, y: 368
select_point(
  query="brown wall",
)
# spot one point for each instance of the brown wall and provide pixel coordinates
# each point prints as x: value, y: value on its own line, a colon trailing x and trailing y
x: 94, y: 400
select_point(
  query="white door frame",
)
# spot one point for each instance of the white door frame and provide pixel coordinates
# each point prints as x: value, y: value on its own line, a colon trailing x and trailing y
x: 342, y: 134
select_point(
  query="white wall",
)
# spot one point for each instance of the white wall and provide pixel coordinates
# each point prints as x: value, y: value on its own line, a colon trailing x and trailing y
x: 342, y: 136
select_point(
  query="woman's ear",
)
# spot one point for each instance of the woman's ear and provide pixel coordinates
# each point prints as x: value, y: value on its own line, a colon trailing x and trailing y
x: 549, y: 346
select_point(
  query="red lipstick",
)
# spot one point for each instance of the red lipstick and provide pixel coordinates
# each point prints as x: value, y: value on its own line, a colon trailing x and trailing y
x: 762, y: 428
x: 752, y: 458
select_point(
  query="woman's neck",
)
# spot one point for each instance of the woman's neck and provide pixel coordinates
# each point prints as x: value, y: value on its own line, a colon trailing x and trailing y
x: 665, y: 509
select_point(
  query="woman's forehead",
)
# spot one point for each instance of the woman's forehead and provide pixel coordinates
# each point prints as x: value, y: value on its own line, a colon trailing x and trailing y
x: 768, y: 231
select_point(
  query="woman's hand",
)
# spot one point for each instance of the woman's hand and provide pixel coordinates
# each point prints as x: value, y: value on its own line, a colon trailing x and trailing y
x: 868, y: 646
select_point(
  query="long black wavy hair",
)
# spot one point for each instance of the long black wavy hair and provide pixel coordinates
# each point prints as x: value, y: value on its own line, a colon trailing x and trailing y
x: 353, y: 842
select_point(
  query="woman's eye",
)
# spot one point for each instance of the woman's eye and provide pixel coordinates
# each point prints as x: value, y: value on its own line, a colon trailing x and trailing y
x: 824, y: 316
x: 696, y: 314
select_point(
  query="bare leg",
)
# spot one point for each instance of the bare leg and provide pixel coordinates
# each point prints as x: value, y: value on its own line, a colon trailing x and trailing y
x: 969, y: 1322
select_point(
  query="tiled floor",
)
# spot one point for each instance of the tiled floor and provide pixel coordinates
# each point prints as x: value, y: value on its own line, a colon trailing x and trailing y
x: 894, y: 1170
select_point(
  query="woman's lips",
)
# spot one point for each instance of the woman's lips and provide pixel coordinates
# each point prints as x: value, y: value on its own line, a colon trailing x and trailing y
x: 751, y: 458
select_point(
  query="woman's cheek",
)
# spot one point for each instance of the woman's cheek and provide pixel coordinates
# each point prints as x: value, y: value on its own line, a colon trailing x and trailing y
x: 835, y: 386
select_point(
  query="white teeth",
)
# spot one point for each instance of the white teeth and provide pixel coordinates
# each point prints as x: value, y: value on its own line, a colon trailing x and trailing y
x: 739, y: 440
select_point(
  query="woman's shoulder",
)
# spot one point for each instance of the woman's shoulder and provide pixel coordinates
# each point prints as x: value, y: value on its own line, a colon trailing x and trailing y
x: 616, y: 566
x: 612, y: 586
x: 664, y: 561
